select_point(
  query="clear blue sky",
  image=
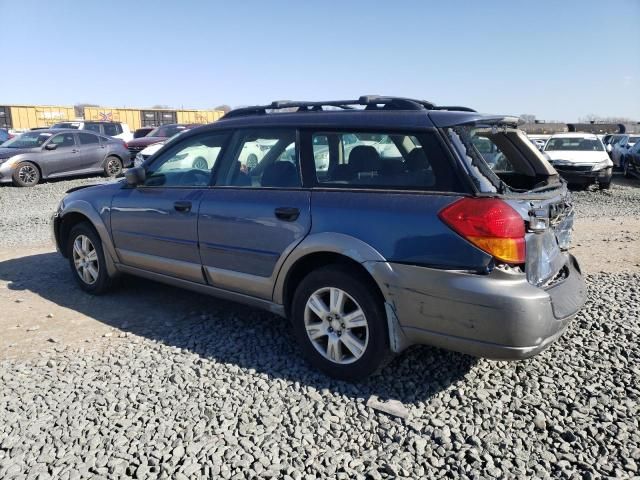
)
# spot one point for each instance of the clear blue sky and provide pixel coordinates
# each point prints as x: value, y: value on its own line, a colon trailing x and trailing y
x: 554, y: 59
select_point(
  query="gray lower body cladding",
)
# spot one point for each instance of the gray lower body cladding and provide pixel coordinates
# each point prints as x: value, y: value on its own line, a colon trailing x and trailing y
x: 499, y: 315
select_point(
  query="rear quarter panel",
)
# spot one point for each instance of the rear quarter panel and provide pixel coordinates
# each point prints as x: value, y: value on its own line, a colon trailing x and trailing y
x: 403, y: 227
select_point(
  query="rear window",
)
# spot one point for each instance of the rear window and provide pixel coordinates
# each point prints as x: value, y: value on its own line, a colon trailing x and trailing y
x: 498, y: 159
x: 383, y: 160
x: 580, y: 144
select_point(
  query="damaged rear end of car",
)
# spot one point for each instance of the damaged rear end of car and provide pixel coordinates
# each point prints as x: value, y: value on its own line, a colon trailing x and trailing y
x: 520, y: 213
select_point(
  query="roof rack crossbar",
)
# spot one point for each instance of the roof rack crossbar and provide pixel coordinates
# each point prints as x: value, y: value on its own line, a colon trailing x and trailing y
x: 370, y: 102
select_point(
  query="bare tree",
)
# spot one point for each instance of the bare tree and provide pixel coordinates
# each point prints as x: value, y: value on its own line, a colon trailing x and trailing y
x: 78, y: 109
x: 225, y: 108
x: 528, y: 118
x: 161, y: 107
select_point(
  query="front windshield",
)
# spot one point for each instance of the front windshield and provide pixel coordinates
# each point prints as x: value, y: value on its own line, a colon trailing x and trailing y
x: 28, y: 140
x: 166, y: 131
x: 576, y: 144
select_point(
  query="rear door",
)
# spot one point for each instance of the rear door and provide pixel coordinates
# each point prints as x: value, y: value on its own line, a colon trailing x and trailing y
x: 91, y: 153
x: 155, y: 225
x: 256, y: 214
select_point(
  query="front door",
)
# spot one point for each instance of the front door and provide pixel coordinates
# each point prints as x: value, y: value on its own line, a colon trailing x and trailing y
x: 65, y: 158
x: 155, y: 225
x: 256, y: 214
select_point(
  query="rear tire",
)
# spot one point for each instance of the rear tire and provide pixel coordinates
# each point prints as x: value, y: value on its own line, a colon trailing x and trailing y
x: 87, y: 259
x: 26, y: 174
x: 605, y: 185
x: 112, y: 167
x: 346, y: 319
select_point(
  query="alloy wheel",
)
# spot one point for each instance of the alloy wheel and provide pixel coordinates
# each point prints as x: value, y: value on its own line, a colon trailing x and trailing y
x: 200, y: 164
x: 27, y: 174
x: 336, y: 325
x: 85, y: 259
x: 113, y: 167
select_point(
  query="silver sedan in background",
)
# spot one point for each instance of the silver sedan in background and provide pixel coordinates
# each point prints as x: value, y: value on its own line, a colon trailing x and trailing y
x: 43, y: 154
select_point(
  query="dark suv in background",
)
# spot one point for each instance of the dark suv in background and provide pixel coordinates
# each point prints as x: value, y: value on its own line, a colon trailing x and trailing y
x: 371, y: 224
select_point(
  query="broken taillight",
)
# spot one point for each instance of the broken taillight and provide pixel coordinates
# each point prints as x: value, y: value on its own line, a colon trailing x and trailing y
x: 490, y: 224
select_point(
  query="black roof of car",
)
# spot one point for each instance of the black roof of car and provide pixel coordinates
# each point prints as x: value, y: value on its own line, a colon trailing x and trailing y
x: 366, y: 112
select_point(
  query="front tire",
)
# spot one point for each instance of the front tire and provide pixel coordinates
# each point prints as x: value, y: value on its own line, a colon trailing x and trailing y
x: 112, y: 167
x: 26, y: 174
x: 340, y: 324
x: 626, y: 169
x: 87, y: 259
x: 200, y: 163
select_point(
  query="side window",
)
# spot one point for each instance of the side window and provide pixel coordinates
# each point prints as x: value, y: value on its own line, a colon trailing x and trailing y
x: 189, y: 163
x: 88, y: 139
x: 94, y: 127
x: 111, y: 129
x: 492, y: 153
x: 264, y: 158
x: 64, y: 140
x: 382, y: 160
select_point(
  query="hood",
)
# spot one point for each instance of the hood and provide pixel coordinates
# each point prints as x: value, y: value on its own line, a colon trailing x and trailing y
x: 11, y: 152
x: 144, y: 141
x: 153, y: 148
x: 577, y: 157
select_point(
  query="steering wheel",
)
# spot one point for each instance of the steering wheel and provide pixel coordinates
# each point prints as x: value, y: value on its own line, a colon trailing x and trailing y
x: 193, y: 178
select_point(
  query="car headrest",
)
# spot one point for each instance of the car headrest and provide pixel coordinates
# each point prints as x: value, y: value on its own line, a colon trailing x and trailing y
x: 364, y: 158
x: 416, y: 160
x: 280, y: 174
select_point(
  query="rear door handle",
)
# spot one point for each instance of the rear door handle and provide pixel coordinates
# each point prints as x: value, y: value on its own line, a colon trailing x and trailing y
x: 288, y: 214
x: 182, y: 206
x: 75, y: 150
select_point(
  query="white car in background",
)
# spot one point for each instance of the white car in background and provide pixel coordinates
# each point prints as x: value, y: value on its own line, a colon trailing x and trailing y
x: 580, y: 158
x: 252, y: 153
x: 108, y: 129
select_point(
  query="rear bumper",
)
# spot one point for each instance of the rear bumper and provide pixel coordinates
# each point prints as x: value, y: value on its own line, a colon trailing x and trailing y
x: 498, y: 316
x: 586, y: 177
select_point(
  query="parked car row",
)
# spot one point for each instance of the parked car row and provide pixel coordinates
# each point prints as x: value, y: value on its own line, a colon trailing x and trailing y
x: 348, y: 225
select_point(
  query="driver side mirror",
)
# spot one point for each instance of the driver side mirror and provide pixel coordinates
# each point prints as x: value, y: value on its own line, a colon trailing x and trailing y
x: 51, y: 146
x: 135, y: 176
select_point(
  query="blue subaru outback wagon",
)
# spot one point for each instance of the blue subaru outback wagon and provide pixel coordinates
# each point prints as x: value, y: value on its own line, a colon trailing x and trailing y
x: 371, y: 224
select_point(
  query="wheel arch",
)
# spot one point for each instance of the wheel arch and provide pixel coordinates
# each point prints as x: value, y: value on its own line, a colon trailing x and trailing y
x: 324, y: 249
x: 36, y: 164
x: 81, y: 211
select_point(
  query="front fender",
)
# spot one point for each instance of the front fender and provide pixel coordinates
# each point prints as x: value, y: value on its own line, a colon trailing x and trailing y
x: 326, y: 242
x: 100, y: 221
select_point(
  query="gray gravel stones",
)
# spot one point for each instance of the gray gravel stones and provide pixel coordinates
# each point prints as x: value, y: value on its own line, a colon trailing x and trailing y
x: 228, y: 396
x: 622, y: 200
x: 26, y: 212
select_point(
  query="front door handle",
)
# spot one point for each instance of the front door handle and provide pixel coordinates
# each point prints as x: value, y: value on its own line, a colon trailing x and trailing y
x: 182, y: 206
x: 288, y: 214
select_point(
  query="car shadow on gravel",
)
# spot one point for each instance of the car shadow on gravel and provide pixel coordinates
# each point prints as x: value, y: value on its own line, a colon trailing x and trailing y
x: 225, y: 332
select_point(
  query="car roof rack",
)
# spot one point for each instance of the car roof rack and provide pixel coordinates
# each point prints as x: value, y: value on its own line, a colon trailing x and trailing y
x: 370, y: 102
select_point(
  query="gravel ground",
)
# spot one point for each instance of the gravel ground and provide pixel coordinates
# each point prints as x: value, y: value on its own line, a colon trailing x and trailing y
x: 219, y: 390
x: 622, y: 200
x: 26, y: 212
x: 228, y: 396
